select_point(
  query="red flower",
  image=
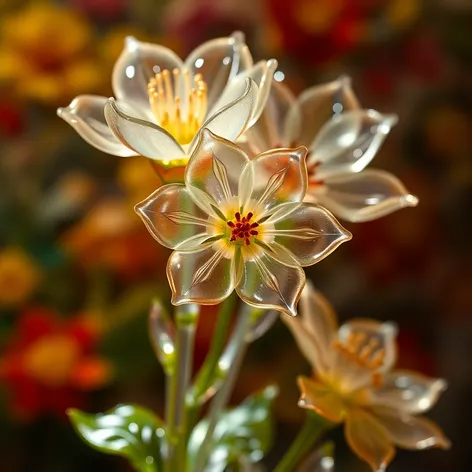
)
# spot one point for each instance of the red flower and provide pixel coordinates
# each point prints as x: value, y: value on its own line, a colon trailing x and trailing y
x: 50, y: 362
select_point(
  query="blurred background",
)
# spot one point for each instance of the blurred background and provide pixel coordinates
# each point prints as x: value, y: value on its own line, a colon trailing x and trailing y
x: 78, y: 269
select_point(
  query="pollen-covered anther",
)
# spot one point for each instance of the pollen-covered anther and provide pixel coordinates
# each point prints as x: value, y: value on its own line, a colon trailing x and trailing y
x: 365, y: 354
x: 178, y: 102
x: 242, y: 228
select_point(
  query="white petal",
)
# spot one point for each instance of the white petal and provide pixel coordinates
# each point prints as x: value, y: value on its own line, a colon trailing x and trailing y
x: 262, y: 74
x: 146, y: 138
x: 365, y: 196
x: 136, y: 65
x: 315, y: 107
x: 86, y: 115
x: 408, y: 391
x: 411, y: 432
x: 229, y: 122
x: 268, y: 132
x: 219, y: 61
x: 348, y: 142
x: 215, y: 168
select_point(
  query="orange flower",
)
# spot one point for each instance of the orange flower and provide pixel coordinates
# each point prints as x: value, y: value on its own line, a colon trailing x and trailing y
x: 111, y: 236
x: 19, y: 277
x: 353, y: 382
x: 45, y: 54
x: 49, y: 362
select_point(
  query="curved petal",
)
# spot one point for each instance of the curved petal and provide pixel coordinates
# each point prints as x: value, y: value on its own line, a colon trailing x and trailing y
x: 281, y: 177
x: 86, y: 115
x: 269, y: 130
x: 348, y: 142
x: 317, y: 397
x: 146, y: 138
x: 134, y: 68
x: 382, y: 336
x: 315, y: 328
x: 261, y: 74
x: 204, y: 277
x: 408, y: 391
x: 219, y: 61
x: 267, y: 283
x: 365, y: 196
x: 310, y: 233
x: 315, y: 107
x: 215, y: 167
x: 368, y: 439
x: 231, y: 120
x: 173, y: 219
x: 411, y: 432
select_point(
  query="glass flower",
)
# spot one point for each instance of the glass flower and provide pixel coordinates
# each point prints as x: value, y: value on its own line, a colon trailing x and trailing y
x: 341, y: 139
x: 162, y: 102
x: 240, y: 224
x: 353, y: 382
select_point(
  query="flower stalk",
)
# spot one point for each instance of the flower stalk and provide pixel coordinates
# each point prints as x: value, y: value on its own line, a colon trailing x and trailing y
x: 313, y: 430
x: 239, y: 344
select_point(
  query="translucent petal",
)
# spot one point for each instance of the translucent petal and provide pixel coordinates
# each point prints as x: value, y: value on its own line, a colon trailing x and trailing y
x: 136, y: 65
x: 269, y: 130
x: 281, y: 177
x: 215, y: 167
x: 365, y: 196
x: 231, y: 120
x: 368, y: 439
x: 267, y: 283
x: 315, y: 107
x: 310, y: 232
x: 411, y: 432
x: 203, y: 277
x: 261, y: 74
x: 317, y: 397
x: 146, y: 138
x: 86, y: 115
x: 408, y: 391
x: 348, y: 142
x: 219, y: 60
x: 173, y: 219
x: 314, y: 328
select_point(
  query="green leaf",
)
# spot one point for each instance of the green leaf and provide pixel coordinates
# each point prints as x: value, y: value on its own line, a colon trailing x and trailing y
x: 243, y: 434
x: 129, y: 431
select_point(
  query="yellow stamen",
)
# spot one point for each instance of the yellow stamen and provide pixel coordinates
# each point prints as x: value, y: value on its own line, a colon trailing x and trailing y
x: 179, y: 102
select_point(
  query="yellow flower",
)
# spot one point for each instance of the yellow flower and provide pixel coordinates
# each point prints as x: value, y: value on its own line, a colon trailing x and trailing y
x: 44, y: 54
x: 353, y: 382
x: 19, y: 277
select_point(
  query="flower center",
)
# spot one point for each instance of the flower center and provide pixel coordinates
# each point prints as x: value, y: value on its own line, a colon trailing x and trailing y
x: 364, y: 353
x: 179, y: 102
x: 242, y: 229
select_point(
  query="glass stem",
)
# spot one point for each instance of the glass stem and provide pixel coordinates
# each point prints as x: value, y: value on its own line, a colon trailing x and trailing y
x: 186, y: 318
x: 220, y: 400
x: 314, y: 429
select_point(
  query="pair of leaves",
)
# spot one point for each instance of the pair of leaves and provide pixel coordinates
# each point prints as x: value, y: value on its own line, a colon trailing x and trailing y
x: 129, y: 431
x: 242, y: 435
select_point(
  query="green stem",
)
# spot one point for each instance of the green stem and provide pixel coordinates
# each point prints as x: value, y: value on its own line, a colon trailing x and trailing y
x: 176, y: 414
x: 207, y: 372
x: 314, y: 428
x: 239, y: 344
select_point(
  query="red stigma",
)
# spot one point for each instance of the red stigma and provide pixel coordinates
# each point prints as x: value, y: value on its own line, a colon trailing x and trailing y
x: 242, y: 228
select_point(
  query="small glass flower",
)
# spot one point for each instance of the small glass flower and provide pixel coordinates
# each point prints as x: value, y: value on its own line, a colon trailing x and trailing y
x: 162, y: 102
x: 240, y: 224
x: 342, y: 139
x: 353, y: 382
